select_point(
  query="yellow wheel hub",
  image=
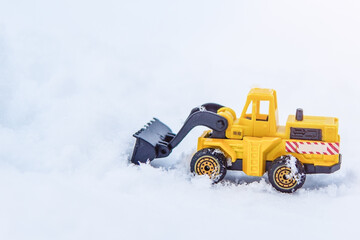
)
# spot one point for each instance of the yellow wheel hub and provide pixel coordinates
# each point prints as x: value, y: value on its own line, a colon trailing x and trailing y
x: 207, y: 165
x: 283, y: 178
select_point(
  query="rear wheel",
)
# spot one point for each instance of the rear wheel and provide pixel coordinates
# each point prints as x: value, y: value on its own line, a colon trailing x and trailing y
x: 211, y: 162
x: 287, y: 174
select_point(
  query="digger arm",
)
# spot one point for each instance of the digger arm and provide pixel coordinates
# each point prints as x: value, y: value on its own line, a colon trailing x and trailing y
x: 156, y: 140
x: 207, y: 116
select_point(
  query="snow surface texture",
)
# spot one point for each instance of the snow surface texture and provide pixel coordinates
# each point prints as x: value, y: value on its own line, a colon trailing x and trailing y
x: 78, y: 78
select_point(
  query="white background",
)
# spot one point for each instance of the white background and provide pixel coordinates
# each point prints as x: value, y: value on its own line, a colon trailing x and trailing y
x: 78, y: 78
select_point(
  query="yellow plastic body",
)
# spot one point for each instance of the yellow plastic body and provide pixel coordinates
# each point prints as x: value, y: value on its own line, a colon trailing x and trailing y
x: 255, y: 137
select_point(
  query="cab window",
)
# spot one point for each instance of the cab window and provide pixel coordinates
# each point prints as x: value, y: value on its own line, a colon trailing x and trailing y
x: 249, y: 111
x: 262, y: 113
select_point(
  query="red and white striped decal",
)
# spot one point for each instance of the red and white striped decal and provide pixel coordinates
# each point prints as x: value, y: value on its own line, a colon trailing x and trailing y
x: 325, y: 148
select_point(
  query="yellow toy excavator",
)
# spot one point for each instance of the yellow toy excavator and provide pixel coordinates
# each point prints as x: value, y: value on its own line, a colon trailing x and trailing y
x: 253, y: 143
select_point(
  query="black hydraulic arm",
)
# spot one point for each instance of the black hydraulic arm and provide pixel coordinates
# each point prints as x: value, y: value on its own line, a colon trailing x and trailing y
x: 156, y: 140
x: 207, y: 116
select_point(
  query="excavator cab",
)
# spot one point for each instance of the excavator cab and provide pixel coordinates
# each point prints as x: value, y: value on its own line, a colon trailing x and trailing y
x: 259, y: 117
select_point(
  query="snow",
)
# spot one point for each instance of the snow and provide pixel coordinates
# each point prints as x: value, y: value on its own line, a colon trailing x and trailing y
x: 291, y: 163
x: 78, y: 78
x: 202, y: 108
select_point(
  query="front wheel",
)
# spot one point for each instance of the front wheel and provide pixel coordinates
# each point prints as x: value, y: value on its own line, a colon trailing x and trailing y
x: 211, y: 162
x: 287, y: 174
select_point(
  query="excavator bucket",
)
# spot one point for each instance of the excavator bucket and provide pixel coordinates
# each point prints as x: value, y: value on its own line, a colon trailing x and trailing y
x: 151, y: 142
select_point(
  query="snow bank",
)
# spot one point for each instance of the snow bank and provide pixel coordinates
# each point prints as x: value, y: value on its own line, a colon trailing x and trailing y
x: 78, y: 78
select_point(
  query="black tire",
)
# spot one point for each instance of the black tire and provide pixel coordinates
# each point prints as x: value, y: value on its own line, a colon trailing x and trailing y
x: 287, y: 174
x: 211, y: 162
